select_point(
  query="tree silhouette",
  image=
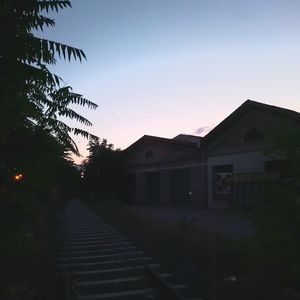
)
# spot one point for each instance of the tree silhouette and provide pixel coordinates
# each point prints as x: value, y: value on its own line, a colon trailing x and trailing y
x: 102, y: 169
x: 31, y: 95
x: 34, y: 142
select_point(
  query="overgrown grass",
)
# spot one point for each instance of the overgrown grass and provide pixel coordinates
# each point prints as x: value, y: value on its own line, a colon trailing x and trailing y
x: 211, y: 265
x: 198, y: 258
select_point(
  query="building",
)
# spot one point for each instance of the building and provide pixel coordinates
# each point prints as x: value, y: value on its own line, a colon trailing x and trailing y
x: 226, y: 168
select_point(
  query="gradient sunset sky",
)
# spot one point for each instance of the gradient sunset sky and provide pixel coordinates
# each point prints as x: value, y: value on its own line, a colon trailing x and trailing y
x: 164, y: 67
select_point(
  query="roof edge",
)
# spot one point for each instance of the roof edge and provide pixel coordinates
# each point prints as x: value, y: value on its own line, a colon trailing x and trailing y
x: 248, y: 104
x: 160, y: 139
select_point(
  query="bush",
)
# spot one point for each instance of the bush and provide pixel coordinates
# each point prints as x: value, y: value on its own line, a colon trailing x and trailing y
x: 276, y: 246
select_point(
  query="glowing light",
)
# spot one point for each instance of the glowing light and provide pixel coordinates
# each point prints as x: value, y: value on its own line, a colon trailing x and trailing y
x: 18, y: 177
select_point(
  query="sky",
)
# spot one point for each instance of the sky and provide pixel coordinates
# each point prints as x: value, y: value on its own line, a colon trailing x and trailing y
x: 165, y: 67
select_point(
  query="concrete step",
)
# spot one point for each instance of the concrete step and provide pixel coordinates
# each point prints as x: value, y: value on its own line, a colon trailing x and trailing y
x: 105, y: 264
x: 112, y: 272
x: 141, y: 294
x: 99, y: 258
x: 102, y: 245
x: 108, y: 250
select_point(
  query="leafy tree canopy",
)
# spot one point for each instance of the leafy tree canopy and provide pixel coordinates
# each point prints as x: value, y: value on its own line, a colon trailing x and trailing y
x: 102, y: 169
x: 31, y: 95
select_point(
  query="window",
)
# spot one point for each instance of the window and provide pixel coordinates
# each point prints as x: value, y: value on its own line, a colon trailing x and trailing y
x: 222, y: 180
x: 253, y: 135
x: 149, y: 155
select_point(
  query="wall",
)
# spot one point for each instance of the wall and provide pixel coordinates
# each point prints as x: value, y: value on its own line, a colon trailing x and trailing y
x: 248, y: 162
x: 198, y: 186
x: 161, y: 152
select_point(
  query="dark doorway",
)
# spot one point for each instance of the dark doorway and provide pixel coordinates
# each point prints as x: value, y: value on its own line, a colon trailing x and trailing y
x: 153, y: 188
x: 129, y: 188
x: 181, y: 187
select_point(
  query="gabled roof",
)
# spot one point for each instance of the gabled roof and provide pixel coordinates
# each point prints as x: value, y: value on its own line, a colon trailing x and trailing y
x: 154, y: 139
x: 247, y: 106
x: 188, y: 138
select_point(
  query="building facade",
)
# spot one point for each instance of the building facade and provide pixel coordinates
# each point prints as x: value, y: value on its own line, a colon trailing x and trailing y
x: 226, y: 168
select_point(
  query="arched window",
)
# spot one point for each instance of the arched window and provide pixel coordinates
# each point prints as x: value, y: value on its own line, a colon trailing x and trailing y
x: 253, y: 135
x: 149, y: 155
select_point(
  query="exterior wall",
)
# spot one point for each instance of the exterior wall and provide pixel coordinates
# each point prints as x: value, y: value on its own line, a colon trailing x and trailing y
x: 232, y: 140
x: 165, y: 187
x: 230, y: 148
x: 162, y: 152
x: 248, y: 162
x: 199, y: 186
x: 201, y: 177
x: 140, y: 186
x: 129, y: 187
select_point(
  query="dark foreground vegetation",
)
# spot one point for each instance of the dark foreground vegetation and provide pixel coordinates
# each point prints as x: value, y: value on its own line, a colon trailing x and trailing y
x: 36, y: 173
x: 102, y: 170
x: 27, y: 253
x: 214, y: 266
x: 31, y: 198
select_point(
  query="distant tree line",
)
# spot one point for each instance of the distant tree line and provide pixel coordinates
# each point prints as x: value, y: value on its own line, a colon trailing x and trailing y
x: 102, y: 170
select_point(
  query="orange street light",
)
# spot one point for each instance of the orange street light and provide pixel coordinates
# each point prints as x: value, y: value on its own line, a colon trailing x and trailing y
x: 18, y: 177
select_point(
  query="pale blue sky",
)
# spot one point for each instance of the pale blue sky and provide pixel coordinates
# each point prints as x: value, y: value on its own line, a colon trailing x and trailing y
x: 171, y: 66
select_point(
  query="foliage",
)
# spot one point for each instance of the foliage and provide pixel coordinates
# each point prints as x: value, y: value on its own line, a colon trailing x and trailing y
x: 35, y: 142
x: 185, y: 251
x: 102, y: 169
x: 31, y: 95
x: 286, y: 145
x: 26, y: 211
x: 27, y: 252
x: 41, y: 160
x: 203, y: 260
x: 277, y: 243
